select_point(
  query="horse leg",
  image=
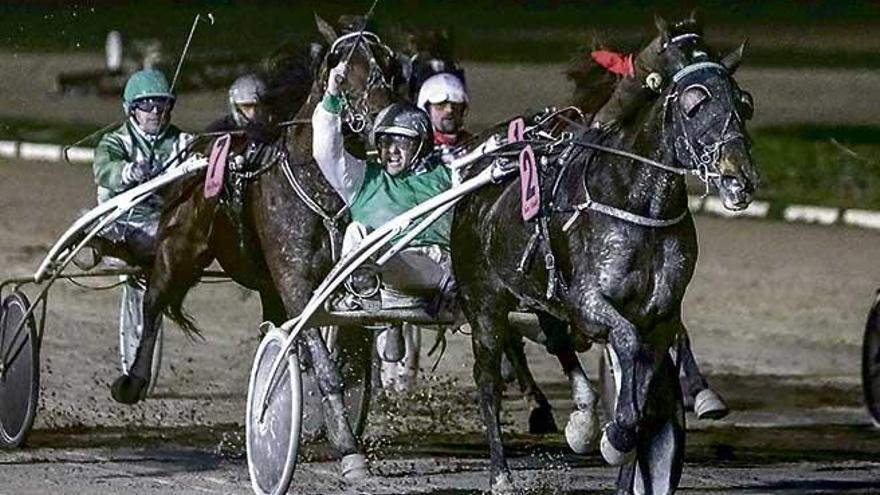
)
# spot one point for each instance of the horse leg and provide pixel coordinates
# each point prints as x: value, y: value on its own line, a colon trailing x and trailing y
x: 661, y: 438
x: 181, y: 253
x: 636, y: 365
x: 488, y: 327
x: 541, y: 415
x: 707, y: 403
x: 400, y: 374
x: 272, y: 306
x: 330, y: 384
x: 582, y: 429
x: 170, y: 280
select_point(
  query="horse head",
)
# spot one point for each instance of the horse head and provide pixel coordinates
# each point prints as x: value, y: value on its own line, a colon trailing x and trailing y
x: 373, y: 76
x: 428, y: 52
x: 703, y: 109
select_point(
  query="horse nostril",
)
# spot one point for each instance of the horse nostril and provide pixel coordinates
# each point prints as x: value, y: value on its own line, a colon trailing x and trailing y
x: 731, y: 184
x: 735, y: 185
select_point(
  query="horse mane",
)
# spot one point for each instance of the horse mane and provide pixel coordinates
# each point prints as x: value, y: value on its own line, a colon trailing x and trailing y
x: 612, y: 98
x: 593, y: 84
x: 289, y: 74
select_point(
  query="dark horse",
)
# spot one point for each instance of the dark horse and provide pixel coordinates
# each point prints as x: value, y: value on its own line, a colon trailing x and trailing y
x: 628, y: 250
x: 288, y: 210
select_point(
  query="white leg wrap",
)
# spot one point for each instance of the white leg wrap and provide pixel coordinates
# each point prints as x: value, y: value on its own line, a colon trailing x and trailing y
x: 502, y: 485
x: 354, y: 467
x: 613, y: 456
x: 582, y: 431
x: 709, y: 405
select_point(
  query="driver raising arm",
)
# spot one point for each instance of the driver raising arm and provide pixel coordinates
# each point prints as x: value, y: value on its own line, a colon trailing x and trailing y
x: 405, y: 175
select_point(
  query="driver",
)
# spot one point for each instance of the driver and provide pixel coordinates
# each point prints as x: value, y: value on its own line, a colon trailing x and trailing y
x: 445, y: 99
x: 405, y: 175
x: 134, y: 153
x: 126, y: 157
x: 247, y: 110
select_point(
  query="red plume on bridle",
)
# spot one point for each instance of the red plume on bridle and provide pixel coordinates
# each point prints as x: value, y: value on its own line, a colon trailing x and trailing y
x: 618, y: 63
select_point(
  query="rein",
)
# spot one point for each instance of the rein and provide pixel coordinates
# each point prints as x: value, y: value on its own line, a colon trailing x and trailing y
x: 331, y: 222
x: 355, y: 111
x: 705, y: 160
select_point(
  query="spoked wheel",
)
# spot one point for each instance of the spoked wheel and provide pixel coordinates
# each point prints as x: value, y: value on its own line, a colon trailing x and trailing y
x: 871, y: 361
x: 352, y: 352
x: 19, y: 370
x: 608, y: 384
x: 273, y: 436
x: 131, y: 325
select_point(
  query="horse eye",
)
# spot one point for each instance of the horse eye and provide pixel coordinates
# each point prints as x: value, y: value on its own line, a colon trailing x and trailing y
x: 692, y: 98
x: 746, y: 105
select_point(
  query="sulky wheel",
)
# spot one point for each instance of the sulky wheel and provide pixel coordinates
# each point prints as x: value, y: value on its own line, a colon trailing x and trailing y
x: 661, y: 435
x: 608, y: 384
x: 19, y: 370
x: 273, y: 439
x: 871, y: 361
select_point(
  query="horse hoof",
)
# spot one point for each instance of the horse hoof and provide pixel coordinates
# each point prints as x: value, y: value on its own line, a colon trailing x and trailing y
x: 129, y: 389
x: 582, y: 431
x: 709, y: 405
x: 541, y: 420
x: 354, y: 467
x: 503, y: 486
x: 613, y: 455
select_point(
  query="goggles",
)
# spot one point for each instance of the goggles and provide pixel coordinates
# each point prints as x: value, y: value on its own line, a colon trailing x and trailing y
x: 386, y: 140
x: 159, y: 105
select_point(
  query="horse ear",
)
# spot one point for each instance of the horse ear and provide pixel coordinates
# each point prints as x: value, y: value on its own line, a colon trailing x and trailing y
x: 732, y: 60
x: 693, y: 17
x: 662, y: 27
x: 325, y: 29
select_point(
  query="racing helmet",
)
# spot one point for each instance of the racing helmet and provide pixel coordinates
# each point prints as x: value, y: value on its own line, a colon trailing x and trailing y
x: 247, y: 89
x: 440, y: 88
x: 146, y: 83
x: 405, y: 119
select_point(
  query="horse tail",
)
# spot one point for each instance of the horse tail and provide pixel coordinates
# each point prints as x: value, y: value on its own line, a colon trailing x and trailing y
x: 178, y: 315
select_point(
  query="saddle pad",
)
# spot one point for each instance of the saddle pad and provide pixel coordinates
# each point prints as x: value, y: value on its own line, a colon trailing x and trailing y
x: 530, y: 190
x: 515, y: 130
x: 217, y: 166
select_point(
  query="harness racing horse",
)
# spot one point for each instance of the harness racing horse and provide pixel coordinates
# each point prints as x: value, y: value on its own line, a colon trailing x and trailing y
x: 623, y: 246
x: 286, y: 212
x: 596, y: 93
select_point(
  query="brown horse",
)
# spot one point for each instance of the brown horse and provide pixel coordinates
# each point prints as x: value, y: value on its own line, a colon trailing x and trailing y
x: 623, y: 244
x: 285, y: 251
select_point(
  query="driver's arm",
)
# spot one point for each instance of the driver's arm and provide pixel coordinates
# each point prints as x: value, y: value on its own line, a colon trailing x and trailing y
x: 111, y: 159
x: 343, y: 171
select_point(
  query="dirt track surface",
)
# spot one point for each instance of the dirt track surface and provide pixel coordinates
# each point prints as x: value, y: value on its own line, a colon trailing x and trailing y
x: 775, y: 313
x: 782, y: 96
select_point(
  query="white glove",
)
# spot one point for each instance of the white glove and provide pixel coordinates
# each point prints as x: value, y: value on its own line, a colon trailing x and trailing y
x: 335, y: 79
x: 136, y: 173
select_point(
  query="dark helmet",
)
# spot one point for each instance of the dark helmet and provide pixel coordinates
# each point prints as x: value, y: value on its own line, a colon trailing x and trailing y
x: 405, y: 119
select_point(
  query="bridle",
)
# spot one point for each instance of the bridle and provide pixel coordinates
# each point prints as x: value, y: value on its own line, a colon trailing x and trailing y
x: 703, y: 156
x: 355, y: 108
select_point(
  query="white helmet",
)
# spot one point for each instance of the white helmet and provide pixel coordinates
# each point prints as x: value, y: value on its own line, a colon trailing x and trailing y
x: 440, y: 88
